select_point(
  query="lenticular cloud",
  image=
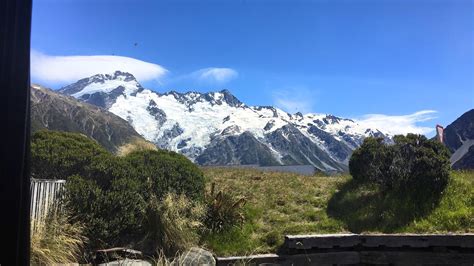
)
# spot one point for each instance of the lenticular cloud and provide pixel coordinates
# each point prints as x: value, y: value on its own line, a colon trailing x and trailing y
x: 401, y: 124
x: 68, y: 69
x: 215, y: 74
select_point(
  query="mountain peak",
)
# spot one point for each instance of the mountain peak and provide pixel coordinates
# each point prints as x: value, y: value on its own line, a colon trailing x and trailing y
x: 103, y: 89
x: 213, y: 97
x: 125, y: 75
x: 230, y: 99
x: 117, y: 75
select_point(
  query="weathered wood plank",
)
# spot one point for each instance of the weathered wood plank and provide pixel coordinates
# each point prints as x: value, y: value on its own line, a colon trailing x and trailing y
x: 418, y: 241
x: 326, y: 258
x: 321, y: 241
x: 250, y: 260
x: 300, y: 242
x: 373, y: 249
x: 414, y: 258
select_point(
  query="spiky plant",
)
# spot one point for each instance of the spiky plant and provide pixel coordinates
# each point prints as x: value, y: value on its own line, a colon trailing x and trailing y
x: 224, y: 210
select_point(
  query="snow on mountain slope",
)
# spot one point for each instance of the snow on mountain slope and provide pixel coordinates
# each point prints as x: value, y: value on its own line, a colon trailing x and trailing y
x: 216, y: 128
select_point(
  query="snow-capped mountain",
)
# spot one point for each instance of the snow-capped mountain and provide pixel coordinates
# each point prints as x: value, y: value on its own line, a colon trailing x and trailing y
x: 216, y: 128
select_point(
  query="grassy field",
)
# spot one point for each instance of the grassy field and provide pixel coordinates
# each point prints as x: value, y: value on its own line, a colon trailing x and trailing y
x: 283, y: 203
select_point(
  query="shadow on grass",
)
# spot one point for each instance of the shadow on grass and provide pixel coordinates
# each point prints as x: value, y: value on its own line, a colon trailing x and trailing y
x: 365, y: 207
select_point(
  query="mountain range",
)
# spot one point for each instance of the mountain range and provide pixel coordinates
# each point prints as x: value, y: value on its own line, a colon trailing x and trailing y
x: 216, y: 128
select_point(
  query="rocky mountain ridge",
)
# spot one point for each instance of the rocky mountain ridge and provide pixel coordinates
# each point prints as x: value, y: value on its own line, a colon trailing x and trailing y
x: 54, y: 111
x: 459, y: 138
x: 216, y: 128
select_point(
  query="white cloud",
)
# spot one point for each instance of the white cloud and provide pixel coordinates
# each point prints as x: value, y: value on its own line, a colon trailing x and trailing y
x: 401, y: 124
x: 295, y: 100
x: 215, y: 75
x: 68, y: 69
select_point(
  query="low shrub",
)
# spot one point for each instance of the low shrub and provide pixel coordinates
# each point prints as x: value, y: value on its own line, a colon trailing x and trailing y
x: 419, y: 163
x: 368, y: 163
x: 412, y: 162
x: 58, y: 155
x: 113, y: 217
x: 166, y: 171
x: 110, y: 194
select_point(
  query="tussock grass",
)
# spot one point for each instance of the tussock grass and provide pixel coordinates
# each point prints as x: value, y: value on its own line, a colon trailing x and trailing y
x: 136, y: 144
x: 172, y: 225
x: 57, y: 240
x: 284, y: 203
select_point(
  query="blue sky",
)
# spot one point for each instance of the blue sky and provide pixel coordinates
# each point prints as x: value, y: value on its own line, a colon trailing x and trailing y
x: 348, y: 58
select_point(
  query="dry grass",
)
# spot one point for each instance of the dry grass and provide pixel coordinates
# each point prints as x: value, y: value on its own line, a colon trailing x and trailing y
x: 136, y: 144
x: 161, y: 259
x: 56, y: 241
x: 172, y: 224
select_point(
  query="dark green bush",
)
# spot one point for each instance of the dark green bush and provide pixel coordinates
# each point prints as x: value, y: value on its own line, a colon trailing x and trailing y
x: 368, y: 162
x: 57, y: 155
x: 110, y: 194
x: 112, y: 217
x: 413, y: 163
x: 166, y: 171
x: 84, y: 198
x: 419, y: 163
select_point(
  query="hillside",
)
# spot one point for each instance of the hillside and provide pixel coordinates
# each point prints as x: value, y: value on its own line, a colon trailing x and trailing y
x: 283, y: 203
x: 216, y: 128
x: 459, y: 138
x: 55, y: 111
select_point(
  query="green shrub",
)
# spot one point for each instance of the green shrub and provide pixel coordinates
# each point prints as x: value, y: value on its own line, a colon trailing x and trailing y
x: 110, y: 194
x: 58, y: 155
x: 368, y: 162
x: 112, y: 217
x: 419, y: 163
x: 166, y: 171
x: 223, y: 210
x: 412, y: 163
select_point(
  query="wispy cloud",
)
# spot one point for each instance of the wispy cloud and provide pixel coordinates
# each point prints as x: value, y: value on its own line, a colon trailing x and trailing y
x: 295, y: 100
x: 67, y: 69
x: 218, y: 75
x: 399, y: 124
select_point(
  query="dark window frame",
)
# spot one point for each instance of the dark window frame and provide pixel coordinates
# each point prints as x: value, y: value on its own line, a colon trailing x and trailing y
x: 15, y: 29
